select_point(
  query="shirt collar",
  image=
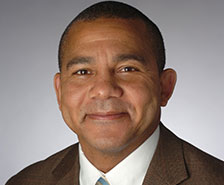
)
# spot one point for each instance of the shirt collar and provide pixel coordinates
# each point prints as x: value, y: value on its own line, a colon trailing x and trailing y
x: 134, y: 166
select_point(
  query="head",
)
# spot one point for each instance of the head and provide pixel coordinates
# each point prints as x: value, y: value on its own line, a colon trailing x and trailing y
x: 112, y: 83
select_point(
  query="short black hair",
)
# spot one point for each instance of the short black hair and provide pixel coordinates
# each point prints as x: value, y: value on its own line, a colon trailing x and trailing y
x: 114, y: 9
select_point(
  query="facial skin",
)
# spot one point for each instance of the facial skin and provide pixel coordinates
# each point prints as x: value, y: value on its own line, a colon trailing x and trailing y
x: 109, y: 90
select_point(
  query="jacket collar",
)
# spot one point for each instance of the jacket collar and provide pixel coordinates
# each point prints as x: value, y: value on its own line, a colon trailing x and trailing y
x: 168, y: 164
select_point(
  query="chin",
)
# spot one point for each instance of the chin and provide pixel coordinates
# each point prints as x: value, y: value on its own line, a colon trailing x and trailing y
x: 108, y: 145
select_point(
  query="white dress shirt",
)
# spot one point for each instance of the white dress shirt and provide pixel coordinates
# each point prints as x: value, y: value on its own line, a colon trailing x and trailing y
x: 131, y: 170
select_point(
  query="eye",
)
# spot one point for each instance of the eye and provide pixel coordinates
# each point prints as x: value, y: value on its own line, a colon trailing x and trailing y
x: 82, y: 72
x: 129, y: 69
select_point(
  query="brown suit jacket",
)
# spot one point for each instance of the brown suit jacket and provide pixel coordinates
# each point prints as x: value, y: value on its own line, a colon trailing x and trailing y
x: 174, y: 162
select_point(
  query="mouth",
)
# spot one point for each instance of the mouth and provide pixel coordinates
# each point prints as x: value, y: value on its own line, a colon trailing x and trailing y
x: 106, y: 115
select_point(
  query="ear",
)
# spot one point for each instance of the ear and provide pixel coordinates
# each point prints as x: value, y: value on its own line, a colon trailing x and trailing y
x: 57, y: 87
x: 167, y: 81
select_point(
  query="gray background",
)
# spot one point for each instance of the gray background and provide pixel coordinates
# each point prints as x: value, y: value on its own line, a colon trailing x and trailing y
x: 31, y: 127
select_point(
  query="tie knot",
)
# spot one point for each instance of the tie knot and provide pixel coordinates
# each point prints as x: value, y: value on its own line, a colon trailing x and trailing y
x: 102, y: 181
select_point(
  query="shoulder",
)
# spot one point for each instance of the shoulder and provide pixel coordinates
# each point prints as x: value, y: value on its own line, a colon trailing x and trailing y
x: 43, y: 170
x: 202, y: 165
x: 179, y: 157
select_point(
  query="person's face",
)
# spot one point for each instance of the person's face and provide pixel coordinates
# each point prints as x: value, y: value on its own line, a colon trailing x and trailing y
x: 109, y: 90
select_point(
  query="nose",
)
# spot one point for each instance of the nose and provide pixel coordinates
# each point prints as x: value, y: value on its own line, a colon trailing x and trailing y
x: 105, y: 87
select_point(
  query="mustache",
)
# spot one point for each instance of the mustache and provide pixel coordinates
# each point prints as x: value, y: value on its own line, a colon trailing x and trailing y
x: 110, y: 105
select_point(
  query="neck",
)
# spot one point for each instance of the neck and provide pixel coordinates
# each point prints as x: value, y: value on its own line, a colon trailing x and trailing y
x: 106, y: 160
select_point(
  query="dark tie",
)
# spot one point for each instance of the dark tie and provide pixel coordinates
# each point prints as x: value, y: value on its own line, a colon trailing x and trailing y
x: 102, y: 181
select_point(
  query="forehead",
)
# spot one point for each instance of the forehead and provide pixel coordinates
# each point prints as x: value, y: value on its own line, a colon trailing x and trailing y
x: 131, y: 34
x: 108, y: 25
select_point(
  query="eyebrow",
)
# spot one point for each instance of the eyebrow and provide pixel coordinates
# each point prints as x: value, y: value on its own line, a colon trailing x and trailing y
x: 126, y: 57
x: 79, y: 60
x: 119, y: 58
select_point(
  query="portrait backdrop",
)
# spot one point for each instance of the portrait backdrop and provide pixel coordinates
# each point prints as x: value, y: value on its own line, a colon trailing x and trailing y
x: 31, y: 126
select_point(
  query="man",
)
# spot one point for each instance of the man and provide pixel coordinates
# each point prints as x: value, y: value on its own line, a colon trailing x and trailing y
x: 110, y: 88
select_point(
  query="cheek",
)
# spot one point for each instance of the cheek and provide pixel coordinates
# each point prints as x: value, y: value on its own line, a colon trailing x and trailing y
x: 144, y: 97
x: 72, y: 98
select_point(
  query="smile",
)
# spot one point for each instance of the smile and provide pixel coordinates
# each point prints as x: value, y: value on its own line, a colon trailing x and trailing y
x: 107, y: 116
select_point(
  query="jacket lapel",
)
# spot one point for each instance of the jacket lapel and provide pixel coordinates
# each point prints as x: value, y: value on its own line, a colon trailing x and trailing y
x: 67, y: 170
x: 167, y: 165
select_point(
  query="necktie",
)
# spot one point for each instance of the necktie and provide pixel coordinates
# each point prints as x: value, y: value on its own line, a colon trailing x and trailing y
x: 102, y: 181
